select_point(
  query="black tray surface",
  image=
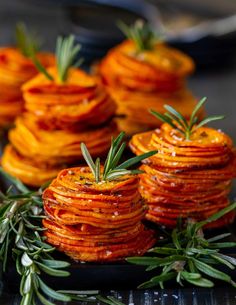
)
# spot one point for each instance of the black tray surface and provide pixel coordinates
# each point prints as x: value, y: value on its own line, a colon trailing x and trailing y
x: 117, y: 275
x: 187, y: 296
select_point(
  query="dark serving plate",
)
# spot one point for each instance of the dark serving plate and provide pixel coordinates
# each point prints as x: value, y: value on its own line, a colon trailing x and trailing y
x: 106, y: 276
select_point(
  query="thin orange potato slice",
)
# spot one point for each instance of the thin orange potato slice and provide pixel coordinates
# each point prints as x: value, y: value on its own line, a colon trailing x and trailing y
x: 95, y: 221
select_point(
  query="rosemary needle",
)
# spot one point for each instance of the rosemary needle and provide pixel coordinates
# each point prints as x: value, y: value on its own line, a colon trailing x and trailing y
x: 140, y: 33
x: 112, y: 169
x: 187, y: 256
x: 176, y: 120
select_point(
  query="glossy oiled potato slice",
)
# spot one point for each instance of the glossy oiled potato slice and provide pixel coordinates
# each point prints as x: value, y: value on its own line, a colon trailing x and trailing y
x: 93, y: 221
x: 187, y: 178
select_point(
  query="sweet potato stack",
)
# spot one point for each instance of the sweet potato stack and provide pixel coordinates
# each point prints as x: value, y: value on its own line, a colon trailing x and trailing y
x: 79, y: 104
x: 191, y: 175
x: 93, y: 218
x: 142, y: 73
x: 62, y: 111
x: 16, y: 67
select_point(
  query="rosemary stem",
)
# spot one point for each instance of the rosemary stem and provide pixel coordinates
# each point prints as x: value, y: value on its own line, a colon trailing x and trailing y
x: 187, y: 134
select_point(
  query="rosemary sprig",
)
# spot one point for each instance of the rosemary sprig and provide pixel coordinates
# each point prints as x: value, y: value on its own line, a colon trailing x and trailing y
x: 176, y: 120
x: 40, y: 67
x: 66, y: 53
x: 27, y: 42
x: 189, y: 257
x: 21, y: 235
x: 29, y: 45
x: 112, y: 169
x: 140, y: 33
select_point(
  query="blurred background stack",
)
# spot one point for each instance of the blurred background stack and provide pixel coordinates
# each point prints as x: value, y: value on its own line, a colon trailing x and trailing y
x: 206, y: 30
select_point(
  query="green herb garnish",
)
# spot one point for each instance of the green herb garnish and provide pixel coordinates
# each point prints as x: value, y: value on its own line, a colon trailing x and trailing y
x: 140, y: 33
x: 112, y: 169
x: 178, y: 122
x: 21, y: 238
x: 66, y: 53
x: 21, y: 235
x: 189, y: 257
x: 27, y: 42
x: 40, y: 67
x: 29, y: 45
